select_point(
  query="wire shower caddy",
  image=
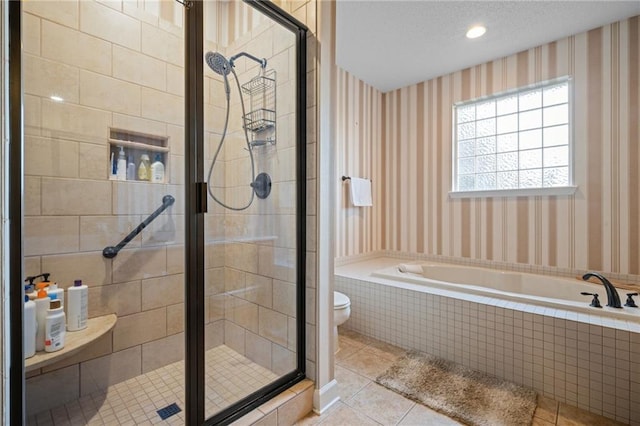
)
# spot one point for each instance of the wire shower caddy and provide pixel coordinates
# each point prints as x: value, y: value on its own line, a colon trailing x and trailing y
x: 261, y: 118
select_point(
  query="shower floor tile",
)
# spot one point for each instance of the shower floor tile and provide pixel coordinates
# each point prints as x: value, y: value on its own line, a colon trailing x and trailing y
x: 229, y: 377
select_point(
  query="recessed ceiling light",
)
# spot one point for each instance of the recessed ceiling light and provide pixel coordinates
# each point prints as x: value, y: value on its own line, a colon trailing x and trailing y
x: 476, y: 31
x: 56, y: 98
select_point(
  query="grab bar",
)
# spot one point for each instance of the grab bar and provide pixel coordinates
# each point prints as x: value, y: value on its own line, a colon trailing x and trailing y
x: 111, y: 251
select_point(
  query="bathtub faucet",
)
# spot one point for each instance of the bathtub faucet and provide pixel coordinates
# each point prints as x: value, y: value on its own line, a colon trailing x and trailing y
x: 613, y: 300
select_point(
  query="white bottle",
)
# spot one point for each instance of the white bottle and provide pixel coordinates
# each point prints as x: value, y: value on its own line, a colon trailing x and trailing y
x: 157, y: 170
x: 55, y: 327
x: 56, y: 293
x: 131, y: 169
x: 42, y: 304
x: 121, y: 171
x: 30, y: 327
x: 77, y: 306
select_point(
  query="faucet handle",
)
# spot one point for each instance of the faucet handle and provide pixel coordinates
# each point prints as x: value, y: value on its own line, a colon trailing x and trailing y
x: 595, y: 302
x: 630, y: 302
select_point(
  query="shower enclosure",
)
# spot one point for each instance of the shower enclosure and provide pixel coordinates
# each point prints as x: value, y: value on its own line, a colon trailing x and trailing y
x: 164, y: 166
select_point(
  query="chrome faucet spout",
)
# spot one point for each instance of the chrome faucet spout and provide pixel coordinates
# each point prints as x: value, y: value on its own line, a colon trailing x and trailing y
x: 613, y: 299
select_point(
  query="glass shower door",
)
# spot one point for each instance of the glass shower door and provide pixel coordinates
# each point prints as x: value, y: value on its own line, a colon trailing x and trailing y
x: 251, y: 240
x: 104, y: 204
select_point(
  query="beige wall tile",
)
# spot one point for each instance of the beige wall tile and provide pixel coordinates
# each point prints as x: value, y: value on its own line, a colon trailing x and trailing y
x: 31, y: 196
x: 43, y: 77
x: 283, y: 360
x: 77, y: 122
x: 214, y: 281
x: 137, y: 124
x: 105, y: 371
x: 138, y: 68
x: 131, y: 8
x: 214, y: 255
x: 310, y: 341
x: 98, y: 232
x: 176, y: 169
x: 310, y: 310
x: 100, y: 347
x: 162, y: 45
x: 277, y: 263
x: 284, y: 297
x: 259, y: 289
x: 65, y: 13
x: 30, y: 33
x: 109, y: 93
x: 175, y: 80
x: 92, y: 268
x: 137, y: 264
x: 242, y: 257
x: 162, y: 352
x: 50, y: 235
x: 234, y: 281
x: 144, y: 198
x: 234, y: 337
x: 292, y: 334
x: 296, y: 408
x: 243, y: 313
x: 273, y: 326
x: 92, y: 162
x: 166, y: 229
x: 216, y: 307
x: 108, y: 24
x: 32, y: 115
x: 32, y: 266
x: 120, y: 299
x: 176, y: 139
x: 270, y: 419
x: 175, y: 259
x: 139, y: 328
x: 162, y: 291
x: 50, y: 157
x: 162, y: 106
x: 175, y: 318
x: 214, y: 334
x: 75, y: 48
x: 39, y: 396
x: 79, y: 197
x: 258, y: 349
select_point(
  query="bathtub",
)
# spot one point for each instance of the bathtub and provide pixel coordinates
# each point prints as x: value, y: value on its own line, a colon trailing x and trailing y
x: 534, y: 330
x: 538, y: 290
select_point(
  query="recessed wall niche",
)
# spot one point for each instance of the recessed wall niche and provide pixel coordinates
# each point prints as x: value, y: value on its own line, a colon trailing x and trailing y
x: 135, y: 146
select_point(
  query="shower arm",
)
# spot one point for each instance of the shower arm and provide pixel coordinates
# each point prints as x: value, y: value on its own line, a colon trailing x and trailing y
x: 111, y: 251
x: 262, y: 62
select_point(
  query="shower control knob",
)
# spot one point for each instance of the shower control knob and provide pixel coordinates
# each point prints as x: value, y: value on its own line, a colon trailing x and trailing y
x: 630, y: 302
x: 595, y: 302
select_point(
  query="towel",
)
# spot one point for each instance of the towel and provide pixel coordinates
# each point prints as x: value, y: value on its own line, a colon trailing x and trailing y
x: 360, y: 192
x: 414, y: 269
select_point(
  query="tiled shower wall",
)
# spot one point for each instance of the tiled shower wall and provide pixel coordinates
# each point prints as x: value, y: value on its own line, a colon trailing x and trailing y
x: 584, y: 365
x: 129, y: 74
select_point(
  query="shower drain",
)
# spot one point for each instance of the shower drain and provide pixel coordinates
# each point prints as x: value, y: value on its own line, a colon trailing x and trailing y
x: 168, y: 411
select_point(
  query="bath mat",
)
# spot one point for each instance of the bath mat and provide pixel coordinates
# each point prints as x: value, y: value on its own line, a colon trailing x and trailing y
x: 469, y: 396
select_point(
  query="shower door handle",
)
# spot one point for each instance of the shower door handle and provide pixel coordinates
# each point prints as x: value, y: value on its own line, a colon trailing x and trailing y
x: 201, y: 190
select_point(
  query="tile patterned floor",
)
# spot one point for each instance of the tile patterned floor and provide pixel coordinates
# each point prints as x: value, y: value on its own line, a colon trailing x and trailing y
x: 229, y: 377
x: 363, y: 402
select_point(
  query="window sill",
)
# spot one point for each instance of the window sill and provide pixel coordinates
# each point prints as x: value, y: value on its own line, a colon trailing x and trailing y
x: 525, y: 192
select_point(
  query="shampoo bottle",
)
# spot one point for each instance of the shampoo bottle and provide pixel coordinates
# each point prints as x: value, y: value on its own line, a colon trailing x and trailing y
x: 121, y: 173
x: 77, y: 300
x: 55, y: 327
x: 42, y: 304
x: 144, y: 169
x: 157, y: 170
x: 131, y: 168
x: 30, y: 327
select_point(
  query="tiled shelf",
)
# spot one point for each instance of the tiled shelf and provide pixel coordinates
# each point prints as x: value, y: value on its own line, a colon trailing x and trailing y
x: 74, y: 342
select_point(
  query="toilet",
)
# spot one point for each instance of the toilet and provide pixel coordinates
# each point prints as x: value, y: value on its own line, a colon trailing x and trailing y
x: 341, y: 312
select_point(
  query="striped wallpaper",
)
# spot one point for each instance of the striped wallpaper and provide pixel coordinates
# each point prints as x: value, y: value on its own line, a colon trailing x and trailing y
x: 406, y: 147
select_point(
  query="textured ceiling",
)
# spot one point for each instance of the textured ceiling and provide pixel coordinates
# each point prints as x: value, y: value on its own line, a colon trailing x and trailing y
x: 392, y: 44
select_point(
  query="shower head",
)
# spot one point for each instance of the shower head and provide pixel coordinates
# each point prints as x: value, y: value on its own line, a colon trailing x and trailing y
x: 218, y: 63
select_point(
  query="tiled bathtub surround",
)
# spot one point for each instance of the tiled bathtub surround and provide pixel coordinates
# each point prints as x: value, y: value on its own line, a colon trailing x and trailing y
x: 586, y: 365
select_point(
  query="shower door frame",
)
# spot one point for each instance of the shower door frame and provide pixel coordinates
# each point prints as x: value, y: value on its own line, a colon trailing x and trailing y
x: 195, y: 200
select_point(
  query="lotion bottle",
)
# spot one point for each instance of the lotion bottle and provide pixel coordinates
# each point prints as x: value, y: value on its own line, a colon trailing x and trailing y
x: 55, y: 327
x: 157, y: 170
x: 144, y: 169
x: 77, y: 306
x: 56, y: 293
x: 42, y: 304
x: 121, y: 173
x: 30, y: 327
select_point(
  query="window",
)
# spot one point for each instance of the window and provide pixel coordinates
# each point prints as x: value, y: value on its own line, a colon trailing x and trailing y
x: 515, y: 142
